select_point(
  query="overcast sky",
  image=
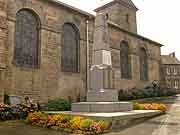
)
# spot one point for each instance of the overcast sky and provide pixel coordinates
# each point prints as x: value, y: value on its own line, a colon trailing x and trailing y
x: 158, y: 20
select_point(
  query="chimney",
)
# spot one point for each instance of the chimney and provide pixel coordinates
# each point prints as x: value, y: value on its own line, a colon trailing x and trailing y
x: 172, y: 55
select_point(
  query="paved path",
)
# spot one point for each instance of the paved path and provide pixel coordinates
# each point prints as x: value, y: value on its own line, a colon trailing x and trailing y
x: 19, y: 128
x: 168, y: 124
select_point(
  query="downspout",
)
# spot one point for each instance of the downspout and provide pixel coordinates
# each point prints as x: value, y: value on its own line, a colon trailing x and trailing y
x: 87, y: 54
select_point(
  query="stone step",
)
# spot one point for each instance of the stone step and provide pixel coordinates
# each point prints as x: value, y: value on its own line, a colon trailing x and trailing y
x: 102, y: 107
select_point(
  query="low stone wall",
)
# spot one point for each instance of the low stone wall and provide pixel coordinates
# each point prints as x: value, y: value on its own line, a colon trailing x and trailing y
x: 118, y: 119
x: 121, y: 122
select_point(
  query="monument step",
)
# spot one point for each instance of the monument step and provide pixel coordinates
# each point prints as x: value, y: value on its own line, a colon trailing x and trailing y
x: 102, y: 96
x: 102, y: 107
x: 117, y: 119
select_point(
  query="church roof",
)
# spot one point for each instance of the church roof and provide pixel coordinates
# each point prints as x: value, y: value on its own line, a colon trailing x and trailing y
x: 169, y: 60
x: 72, y: 8
x: 134, y: 34
x: 127, y: 3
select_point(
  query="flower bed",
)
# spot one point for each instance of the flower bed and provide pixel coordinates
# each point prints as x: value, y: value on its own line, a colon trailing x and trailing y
x: 8, y: 112
x: 153, y: 106
x: 73, y: 124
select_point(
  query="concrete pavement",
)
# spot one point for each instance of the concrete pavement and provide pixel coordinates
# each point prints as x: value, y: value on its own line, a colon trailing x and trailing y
x: 168, y: 124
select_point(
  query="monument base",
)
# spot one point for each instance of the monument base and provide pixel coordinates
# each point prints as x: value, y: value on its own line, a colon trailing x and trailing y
x: 118, y: 120
x: 102, y: 96
x: 102, y: 107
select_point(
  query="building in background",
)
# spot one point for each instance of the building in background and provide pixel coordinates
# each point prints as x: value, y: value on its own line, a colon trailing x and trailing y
x: 170, y: 71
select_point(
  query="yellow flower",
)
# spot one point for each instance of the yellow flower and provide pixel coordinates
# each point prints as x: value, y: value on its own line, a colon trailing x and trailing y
x: 75, y: 122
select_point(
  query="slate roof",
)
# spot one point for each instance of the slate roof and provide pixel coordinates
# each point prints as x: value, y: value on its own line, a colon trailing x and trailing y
x: 168, y: 60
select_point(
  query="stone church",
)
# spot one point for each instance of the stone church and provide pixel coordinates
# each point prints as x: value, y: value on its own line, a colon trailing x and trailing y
x: 44, y: 46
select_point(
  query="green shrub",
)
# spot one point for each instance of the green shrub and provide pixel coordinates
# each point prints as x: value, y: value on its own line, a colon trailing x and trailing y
x: 135, y: 93
x: 85, y: 124
x: 103, y: 124
x: 59, y: 105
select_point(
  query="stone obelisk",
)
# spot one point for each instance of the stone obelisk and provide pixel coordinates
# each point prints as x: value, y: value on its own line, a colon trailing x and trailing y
x: 101, y: 98
x: 101, y: 70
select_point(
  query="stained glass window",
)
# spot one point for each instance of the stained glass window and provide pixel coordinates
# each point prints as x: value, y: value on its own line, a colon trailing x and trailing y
x: 143, y: 64
x: 70, y: 48
x: 125, y: 60
x: 26, y: 52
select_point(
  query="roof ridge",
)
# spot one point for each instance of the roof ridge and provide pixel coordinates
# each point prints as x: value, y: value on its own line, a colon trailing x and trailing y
x: 166, y: 59
x: 72, y: 7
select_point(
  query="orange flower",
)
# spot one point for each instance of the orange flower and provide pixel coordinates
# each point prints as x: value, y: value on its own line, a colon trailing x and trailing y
x: 153, y: 106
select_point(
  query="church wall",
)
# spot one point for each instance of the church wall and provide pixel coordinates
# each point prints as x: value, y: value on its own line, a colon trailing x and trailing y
x: 3, y: 42
x: 153, y: 52
x: 47, y: 81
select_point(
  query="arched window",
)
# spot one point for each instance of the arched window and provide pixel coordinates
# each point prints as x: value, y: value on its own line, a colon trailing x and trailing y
x: 26, y: 51
x: 70, y: 48
x: 125, y: 61
x: 143, y: 64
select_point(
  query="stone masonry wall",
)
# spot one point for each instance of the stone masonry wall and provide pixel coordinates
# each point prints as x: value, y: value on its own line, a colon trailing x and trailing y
x: 123, y: 16
x: 48, y: 81
x: 3, y: 45
x: 135, y: 44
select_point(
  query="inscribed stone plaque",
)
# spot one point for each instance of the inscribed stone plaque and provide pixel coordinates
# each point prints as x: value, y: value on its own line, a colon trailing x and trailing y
x: 107, y: 58
x: 117, y: 74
